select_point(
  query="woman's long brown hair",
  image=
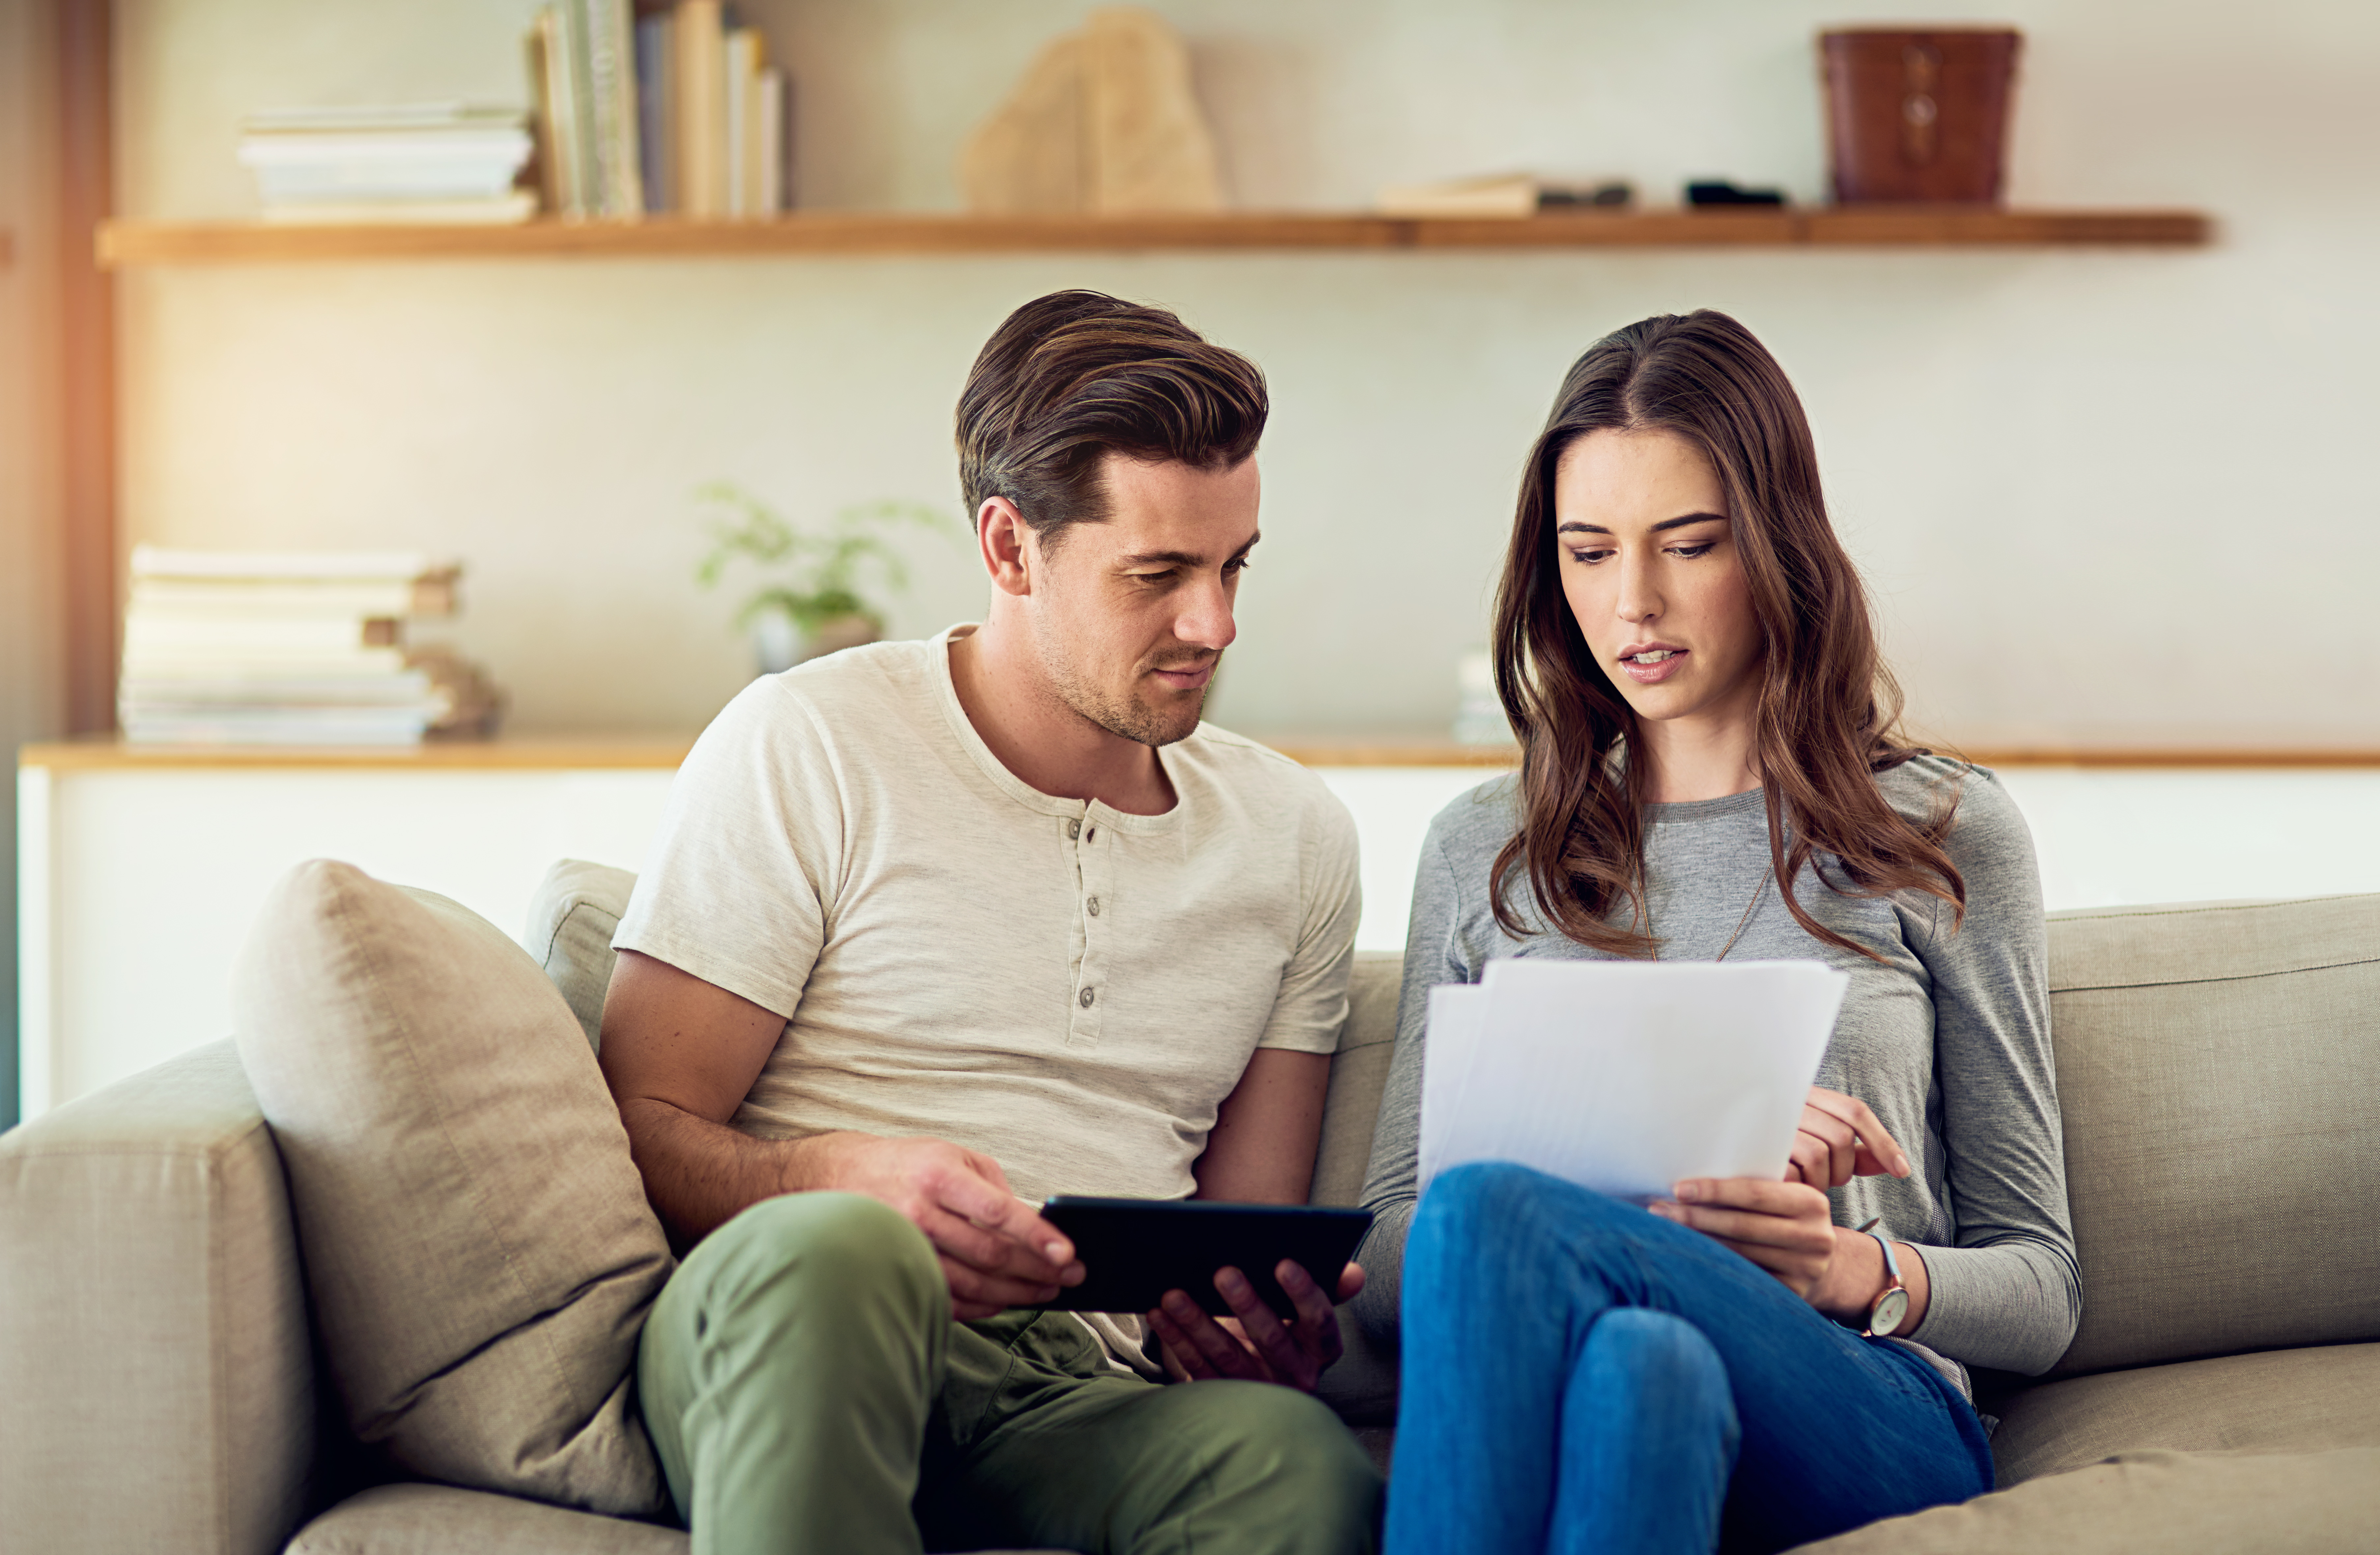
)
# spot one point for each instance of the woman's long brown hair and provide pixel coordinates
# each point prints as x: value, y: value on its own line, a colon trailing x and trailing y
x: 1828, y: 710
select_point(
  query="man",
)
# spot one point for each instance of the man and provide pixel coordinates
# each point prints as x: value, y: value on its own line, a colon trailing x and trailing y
x: 936, y: 929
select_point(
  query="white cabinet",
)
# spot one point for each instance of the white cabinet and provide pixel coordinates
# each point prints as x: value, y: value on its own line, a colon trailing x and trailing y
x: 139, y: 871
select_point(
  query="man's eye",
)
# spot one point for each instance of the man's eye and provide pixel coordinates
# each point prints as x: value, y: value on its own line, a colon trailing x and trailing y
x: 1236, y: 566
x: 1151, y: 576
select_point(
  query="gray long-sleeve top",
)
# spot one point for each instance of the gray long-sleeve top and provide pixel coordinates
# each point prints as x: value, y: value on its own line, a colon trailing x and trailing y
x: 1947, y: 1039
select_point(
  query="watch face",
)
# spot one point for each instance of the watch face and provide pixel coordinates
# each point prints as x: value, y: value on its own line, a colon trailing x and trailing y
x: 1890, y: 1308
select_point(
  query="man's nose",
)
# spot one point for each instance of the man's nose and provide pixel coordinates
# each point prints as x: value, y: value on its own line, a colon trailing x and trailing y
x: 1205, y: 619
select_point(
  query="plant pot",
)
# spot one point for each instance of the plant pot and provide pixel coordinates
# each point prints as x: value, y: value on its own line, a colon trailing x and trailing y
x: 779, y: 643
x: 1918, y: 115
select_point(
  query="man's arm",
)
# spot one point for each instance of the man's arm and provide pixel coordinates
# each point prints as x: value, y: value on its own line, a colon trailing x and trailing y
x: 680, y: 1054
x: 1261, y: 1148
x: 1261, y: 1151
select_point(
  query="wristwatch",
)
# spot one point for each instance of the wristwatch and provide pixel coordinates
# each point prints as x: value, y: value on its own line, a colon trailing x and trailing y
x: 1886, y: 1314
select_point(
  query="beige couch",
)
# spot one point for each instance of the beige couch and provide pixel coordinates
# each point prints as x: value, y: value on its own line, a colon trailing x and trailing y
x: 2220, y: 1067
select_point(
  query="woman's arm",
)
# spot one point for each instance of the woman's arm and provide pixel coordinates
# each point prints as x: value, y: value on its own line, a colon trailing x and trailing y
x: 1392, y: 1186
x: 2006, y: 1294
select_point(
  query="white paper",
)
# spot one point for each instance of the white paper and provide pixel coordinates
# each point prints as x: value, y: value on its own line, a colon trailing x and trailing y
x: 1626, y: 1076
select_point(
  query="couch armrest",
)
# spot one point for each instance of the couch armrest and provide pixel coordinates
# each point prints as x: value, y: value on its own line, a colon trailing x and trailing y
x: 156, y: 1379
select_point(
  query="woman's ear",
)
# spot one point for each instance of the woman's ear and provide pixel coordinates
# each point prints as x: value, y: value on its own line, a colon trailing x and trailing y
x: 1005, y: 543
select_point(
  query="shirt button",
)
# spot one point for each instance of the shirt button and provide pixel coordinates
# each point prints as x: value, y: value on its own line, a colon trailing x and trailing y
x: 1095, y: 907
x: 1073, y: 831
x: 1087, y: 998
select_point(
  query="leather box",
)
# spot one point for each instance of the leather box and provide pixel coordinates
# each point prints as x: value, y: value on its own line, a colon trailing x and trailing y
x: 1918, y: 115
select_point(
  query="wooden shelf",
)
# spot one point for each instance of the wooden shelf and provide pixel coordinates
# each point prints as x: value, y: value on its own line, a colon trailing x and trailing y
x: 128, y: 244
x: 600, y: 753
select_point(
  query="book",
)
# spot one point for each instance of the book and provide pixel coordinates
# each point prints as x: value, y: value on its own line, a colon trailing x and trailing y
x: 740, y: 119
x: 561, y: 149
x: 400, y: 156
x: 773, y: 143
x: 701, y: 55
x: 429, y: 594
x: 609, y: 71
x: 1500, y: 196
x: 158, y: 561
x: 293, y: 647
x: 657, y: 111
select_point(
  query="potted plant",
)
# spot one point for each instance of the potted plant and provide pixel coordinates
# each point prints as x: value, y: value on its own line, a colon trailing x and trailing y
x: 812, y: 600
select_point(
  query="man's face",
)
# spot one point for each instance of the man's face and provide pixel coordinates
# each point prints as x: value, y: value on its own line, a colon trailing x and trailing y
x: 1131, y: 616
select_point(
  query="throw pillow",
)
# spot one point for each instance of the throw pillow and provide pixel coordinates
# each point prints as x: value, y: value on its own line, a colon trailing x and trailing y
x: 477, y: 1241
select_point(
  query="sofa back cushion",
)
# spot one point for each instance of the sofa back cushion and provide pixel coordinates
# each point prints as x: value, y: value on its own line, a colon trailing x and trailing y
x: 2218, y: 1070
x: 475, y: 1239
x: 571, y: 921
x: 1358, y: 1074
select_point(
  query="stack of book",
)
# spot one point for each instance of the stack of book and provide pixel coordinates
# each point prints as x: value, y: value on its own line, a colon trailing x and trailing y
x: 712, y: 115
x: 270, y: 648
x: 427, y: 162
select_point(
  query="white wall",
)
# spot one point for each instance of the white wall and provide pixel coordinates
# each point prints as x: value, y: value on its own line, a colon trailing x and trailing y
x: 2098, y: 494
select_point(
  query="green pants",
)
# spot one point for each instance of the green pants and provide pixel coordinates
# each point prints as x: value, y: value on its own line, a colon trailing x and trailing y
x: 808, y: 1392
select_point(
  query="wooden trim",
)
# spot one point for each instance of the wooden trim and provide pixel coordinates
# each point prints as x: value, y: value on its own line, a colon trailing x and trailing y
x: 532, y: 754
x: 832, y: 232
x: 664, y: 752
x: 87, y: 360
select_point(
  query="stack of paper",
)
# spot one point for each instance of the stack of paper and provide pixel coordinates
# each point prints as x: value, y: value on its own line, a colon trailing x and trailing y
x: 232, y: 647
x: 1625, y: 1076
x: 427, y: 162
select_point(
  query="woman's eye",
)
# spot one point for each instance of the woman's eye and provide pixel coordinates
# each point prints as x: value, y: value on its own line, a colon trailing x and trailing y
x: 1589, y: 557
x: 1690, y: 551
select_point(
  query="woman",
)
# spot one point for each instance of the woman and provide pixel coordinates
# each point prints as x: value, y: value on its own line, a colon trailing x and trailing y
x: 1710, y: 768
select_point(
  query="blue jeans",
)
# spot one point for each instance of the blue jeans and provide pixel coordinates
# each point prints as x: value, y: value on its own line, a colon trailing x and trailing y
x: 1580, y: 1375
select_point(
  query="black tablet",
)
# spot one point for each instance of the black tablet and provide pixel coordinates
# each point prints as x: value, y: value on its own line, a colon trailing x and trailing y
x: 1133, y: 1250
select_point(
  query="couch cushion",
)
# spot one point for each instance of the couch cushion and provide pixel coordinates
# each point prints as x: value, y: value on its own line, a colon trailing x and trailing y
x: 2153, y: 1503
x: 571, y: 920
x: 157, y: 1387
x: 438, y: 1520
x: 1358, y: 1075
x: 476, y: 1238
x: 2280, y: 1401
x: 2216, y: 1072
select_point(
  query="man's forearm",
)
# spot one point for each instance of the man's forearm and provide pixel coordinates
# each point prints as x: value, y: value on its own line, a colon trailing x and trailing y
x: 700, y: 1174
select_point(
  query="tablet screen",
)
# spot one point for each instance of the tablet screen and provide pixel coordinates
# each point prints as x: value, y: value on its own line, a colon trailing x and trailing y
x: 1133, y: 1250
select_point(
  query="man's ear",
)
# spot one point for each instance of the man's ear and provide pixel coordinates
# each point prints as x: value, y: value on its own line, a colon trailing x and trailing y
x: 1005, y: 543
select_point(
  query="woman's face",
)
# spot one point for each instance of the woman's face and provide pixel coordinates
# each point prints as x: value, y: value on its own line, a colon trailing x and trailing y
x: 1649, y: 565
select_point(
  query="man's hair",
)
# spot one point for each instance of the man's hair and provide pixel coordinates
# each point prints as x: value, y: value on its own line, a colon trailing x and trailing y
x: 1076, y: 375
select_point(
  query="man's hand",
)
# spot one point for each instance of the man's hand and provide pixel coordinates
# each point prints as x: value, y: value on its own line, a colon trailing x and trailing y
x: 1784, y: 1227
x: 995, y: 1251
x: 1840, y: 1140
x: 1255, y: 1345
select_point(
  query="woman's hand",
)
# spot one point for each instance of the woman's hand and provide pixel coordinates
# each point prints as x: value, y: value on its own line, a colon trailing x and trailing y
x: 1257, y: 1345
x: 1783, y: 1227
x: 1840, y: 1140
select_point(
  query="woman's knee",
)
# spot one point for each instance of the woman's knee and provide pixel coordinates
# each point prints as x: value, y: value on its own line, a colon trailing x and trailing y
x: 1659, y: 1355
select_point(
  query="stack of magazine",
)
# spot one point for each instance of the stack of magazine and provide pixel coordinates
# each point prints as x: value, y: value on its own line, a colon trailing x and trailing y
x: 280, y: 647
x: 427, y: 162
